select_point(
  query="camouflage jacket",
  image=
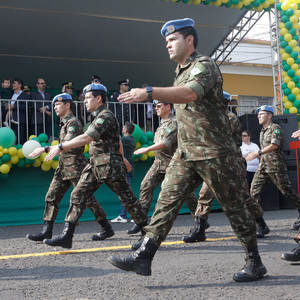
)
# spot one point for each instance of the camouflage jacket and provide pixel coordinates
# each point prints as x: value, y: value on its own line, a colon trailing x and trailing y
x: 203, y: 125
x: 167, y: 133
x: 105, y: 157
x: 236, y: 128
x: 72, y: 162
x: 272, y: 162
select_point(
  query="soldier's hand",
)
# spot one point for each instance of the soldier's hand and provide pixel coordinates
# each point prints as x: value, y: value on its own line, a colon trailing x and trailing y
x: 36, y: 152
x: 135, y: 95
x: 54, y: 151
x: 127, y: 164
x: 251, y: 156
x: 141, y: 151
x: 296, y: 134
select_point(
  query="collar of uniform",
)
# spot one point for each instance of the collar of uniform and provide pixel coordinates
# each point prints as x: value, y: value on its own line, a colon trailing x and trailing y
x: 188, y: 62
x: 67, y: 118
x: 167, y: 118
x: 268, y: 127
x: 95, y: 113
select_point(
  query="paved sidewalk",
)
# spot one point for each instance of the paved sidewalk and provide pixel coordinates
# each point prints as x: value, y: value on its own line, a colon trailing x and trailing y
x: 179, y: 271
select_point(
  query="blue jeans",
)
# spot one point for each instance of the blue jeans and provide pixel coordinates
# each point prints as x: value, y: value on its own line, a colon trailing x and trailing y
x: 123, y: 213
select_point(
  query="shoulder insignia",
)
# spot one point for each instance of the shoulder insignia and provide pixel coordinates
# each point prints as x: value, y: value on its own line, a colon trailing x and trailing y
x: 168, y: 129
x: 71, y: 129
x: 195, y: 71
x: 277, y: 131
x: 99, y: 121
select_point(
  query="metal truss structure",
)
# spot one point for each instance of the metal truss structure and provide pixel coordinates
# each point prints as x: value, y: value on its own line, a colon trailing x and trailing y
x: 240, y: 31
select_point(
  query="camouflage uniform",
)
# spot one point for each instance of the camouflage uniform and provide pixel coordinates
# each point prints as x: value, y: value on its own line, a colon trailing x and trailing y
x: 272, y: 166
x: 70, y: 165
x: 206, y: 196
x: 106, y: 166
x: 206, y: 151
x: 167, y: 133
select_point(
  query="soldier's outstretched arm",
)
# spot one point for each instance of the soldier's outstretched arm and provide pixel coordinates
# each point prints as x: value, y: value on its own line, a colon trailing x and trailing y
x: 296, y: 134
x: 78, y: 141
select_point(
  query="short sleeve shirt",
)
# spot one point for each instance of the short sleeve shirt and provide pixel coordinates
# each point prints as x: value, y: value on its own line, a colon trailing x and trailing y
x: 204, y: 130
x: 72, y: 162
x: 166, y: 133
x: 272, y: 162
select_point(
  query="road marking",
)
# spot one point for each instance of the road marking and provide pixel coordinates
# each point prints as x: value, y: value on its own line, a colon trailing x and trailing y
x: 96, y: 249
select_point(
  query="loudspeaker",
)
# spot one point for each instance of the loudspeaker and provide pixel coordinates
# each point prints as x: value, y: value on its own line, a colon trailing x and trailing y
x: 292, y: 172
x: 289, y: 124
x: 250, y: 122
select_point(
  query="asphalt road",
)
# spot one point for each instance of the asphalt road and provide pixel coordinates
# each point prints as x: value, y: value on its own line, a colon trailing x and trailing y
x: 30, y: 270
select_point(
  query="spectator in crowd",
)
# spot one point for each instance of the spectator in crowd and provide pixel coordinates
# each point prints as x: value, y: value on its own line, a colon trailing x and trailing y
x: 96, y: 79
x: 20, y: 110
x: 41, y: 111
x: 123, y: 112
x: 233, y: 104
x: 129, y: 145
x: 27, y: 89
x: 246, y: 148
x: 67, y: 87
x: 5, y: 93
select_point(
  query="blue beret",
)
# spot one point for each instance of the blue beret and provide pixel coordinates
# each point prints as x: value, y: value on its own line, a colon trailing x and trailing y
x: 94, y: 87
x: 265, y: 108
x: 176, y: 25
x: 62, y: 97
x: 155, y: 102
x: 226, y: 96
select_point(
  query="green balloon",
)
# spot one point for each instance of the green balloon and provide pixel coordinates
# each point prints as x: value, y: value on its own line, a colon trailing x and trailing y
x: 3, y: 176
x: 284, y: 86
x: 6, y: 157
x: 288, y: 25
x: 7, y: 137
x: 286, y: 111
x: 150, y: 143
x: 285, y: 19
x: 19, y: 146
x: 297, y: 104
x: 294, y: 54
x: 149, y: 135
x: 278, y: 6
x: 288, y: 49
x: 36, y: 139
x: 289, y: 12
x: 143, y: 139
x: 284, y: 44
x: 139, y: 155
x: 291, y: 97
x: 137, y: 133
x: 293, y: 31
x: 56, y: 157
x: 235, y: 2
x: 21, y: 163
x: 287, y: 91
x: 291, y: 73
x: 295, y: 79
x: 286, y: 67
x: 87, y: 155
x: 29, y: 161
x: 43, y: 137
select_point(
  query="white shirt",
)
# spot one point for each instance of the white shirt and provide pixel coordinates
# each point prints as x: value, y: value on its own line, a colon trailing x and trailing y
x: 15, y: 96
x: 253, y: 164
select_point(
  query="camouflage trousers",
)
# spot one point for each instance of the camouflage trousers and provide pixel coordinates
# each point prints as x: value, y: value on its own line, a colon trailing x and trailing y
x: 280, y: 180
x: 150, y: 182
x: 57, y: 189
x: 87, y: 186
x: 206, y: 197
x: 223, y: 176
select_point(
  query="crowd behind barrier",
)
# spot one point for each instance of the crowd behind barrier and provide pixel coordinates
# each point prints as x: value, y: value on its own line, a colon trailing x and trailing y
x: 145, y: 117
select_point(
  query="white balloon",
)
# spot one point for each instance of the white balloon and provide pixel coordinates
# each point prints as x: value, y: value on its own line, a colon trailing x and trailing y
x: 29, y: 147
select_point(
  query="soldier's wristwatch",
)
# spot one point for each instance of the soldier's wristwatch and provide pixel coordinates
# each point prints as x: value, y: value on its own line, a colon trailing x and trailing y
x: 149, y: 92
x: 47, y: 148
x: 60, y: 147
x: 259, y: 152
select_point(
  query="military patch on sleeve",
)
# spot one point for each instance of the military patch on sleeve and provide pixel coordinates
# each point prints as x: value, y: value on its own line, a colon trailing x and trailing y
x: 195, y: 71
x: 71, y: 129
x: 168, y: 130
x: 99, y: 121
x: 277, y: 131
x: 198, y: 70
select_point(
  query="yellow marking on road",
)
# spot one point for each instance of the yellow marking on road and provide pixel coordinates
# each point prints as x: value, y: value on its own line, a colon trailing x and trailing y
x: 95, y: 249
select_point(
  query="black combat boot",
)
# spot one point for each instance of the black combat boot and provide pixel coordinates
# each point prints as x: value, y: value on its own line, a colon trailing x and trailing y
x: 262, y: 228
x: 296, y: 225
x: 198, y: 233
x: 253, y: 269
x: 140, y: 261
x: 105, y: 233
x: 64, y: 239
x: 293, y: 256
x: 140, y: 241
x: 134, y: 229
x: 45, y: 234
